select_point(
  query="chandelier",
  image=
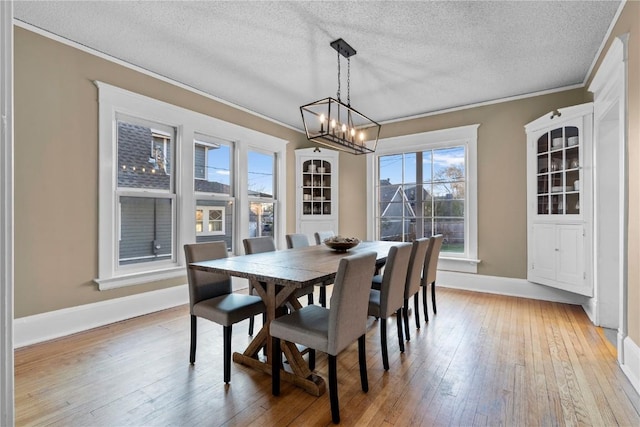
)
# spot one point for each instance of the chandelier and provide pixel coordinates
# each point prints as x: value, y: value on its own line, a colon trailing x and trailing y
x: 336, y: 125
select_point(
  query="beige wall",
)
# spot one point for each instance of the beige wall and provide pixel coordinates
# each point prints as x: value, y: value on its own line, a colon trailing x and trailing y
x: 56, y: 168
x: 629, y: 22
x: 502, y: 217
x: 56, y: 160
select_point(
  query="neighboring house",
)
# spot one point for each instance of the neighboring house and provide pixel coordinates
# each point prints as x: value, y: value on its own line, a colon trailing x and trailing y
x: 400, y: 215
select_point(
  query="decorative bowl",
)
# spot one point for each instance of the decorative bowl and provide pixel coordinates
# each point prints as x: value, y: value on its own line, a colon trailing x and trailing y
x: 341, y: 244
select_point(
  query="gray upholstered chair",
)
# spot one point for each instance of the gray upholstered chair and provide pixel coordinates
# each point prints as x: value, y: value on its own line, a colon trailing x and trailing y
x: 429, y: 274
x: 298, y: 240
x: 331, y: 330
x: 389, y: 299
x: 211, y: 297
x: 414, y: 278
x: 321, y: 235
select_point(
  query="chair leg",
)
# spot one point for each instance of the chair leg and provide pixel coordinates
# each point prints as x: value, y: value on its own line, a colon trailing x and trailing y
x: 251, y: 322
x: 227, y: 353
x: 424, y: 304
x: 276, y: 363
x: 194, y: 335
x: 309, y: 299
x: 333, y: 390
x: 399, y: 324
x: 433, y: 296
x: 383, y: 344
x: 323, y: 296
x: 362, y: 360
x: 312, y: 359
x: 405, y: 316
x: 416, y: 307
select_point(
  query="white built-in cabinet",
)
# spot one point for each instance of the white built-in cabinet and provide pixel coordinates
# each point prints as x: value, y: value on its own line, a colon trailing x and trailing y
x: 559, y: 199
x: 316, y: 191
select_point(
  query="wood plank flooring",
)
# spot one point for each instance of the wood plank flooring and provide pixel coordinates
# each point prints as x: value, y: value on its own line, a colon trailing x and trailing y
x: 482, y: 360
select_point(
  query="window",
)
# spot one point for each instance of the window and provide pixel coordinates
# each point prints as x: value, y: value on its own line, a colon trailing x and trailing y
x: 145, y: 191
x: 170, y: 176
x: 213, y: 172
x: 260, y: 178
x: 425, y: 184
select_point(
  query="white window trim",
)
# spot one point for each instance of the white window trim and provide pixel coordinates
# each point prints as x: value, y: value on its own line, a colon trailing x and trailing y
x: 188, y: 124
x: 464, y: 135
x: 205, y: 220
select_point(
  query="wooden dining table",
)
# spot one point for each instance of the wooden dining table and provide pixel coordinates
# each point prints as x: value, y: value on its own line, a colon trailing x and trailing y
x: 276, y: 276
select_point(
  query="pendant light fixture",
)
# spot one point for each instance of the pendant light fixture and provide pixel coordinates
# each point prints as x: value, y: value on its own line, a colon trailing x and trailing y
x: 336, y: 125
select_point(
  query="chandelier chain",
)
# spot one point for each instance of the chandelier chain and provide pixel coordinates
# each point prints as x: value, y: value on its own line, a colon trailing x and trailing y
x: 349, y: 82
x: 338, y: 94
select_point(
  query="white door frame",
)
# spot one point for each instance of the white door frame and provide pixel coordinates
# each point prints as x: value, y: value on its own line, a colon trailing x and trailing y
x: 609, y: 87
x: 6, y: 215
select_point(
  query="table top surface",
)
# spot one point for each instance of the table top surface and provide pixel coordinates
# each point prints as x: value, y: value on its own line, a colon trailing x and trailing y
x: 297, y: 267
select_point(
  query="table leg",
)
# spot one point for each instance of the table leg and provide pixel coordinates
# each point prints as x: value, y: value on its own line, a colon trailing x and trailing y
x: 275, y: 297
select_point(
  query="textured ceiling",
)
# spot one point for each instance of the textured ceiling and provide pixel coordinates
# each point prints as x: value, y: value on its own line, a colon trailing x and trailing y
x: 412, y: 58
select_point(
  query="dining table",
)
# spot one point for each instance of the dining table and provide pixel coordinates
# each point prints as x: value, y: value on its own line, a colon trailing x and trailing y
x: 275, y: 277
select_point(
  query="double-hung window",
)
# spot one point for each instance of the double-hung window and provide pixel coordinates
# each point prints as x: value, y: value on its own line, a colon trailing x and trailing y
x: 261, y: 194
x: 145, y: 192
x: 426, y: 184
x: 213, y: 185
x: 170, y: 176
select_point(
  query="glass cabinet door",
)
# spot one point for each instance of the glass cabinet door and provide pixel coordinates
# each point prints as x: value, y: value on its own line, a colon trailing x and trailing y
x: 558, y: 172
x: 316, y: 187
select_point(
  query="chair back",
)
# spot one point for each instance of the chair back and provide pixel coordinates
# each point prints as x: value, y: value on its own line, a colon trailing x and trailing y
x: 431, y: 260
x: 416, y: 265
x: 256, y: 245
x: 321, y: 235
x: 394, y: 279
x: 297, y: 240
x: 204, y: 285
x: 350, y: 301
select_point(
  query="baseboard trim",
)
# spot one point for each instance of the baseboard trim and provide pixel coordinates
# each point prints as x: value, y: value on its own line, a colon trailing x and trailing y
x: 630, y: 363
x: 55, y: 324
x: 507, y: 286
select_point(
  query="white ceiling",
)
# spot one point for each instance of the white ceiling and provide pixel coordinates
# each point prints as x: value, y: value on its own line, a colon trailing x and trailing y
x: 412, y: 58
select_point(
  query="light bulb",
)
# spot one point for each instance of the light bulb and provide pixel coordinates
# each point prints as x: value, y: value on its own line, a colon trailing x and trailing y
x: 333, y: 123
x: 344, y: 128
x: 321, y: 118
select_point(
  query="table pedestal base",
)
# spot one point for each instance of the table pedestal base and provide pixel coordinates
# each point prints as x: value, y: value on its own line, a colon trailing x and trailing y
x: 312, y: 384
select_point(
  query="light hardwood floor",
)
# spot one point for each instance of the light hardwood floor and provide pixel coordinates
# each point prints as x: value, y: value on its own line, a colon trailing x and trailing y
x: 482, y: 360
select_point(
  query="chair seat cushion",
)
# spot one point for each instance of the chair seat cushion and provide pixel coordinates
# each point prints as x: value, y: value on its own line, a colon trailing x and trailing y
x: 308, y: 326
x: 374, y: 303
x: 376, y: 282
x: 229, y: 309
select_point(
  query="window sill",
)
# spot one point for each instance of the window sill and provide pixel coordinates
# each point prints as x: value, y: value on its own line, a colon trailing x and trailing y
x: 462, y: 265
x: 139, y: 278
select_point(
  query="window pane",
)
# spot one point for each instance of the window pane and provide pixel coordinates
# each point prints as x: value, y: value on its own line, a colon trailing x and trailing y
x: 448, y: 164
x: 409, y: 173
x: 212, y: 165
x: 453, y: 231
x: 199, y: 220
x: 390, y: 168
x: 144, y: 156
x: 261, y: 175
x: 146, y: 230
x: 260, y: 219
